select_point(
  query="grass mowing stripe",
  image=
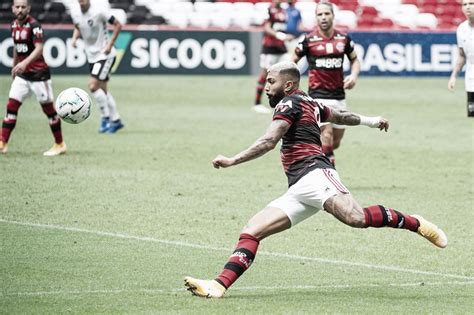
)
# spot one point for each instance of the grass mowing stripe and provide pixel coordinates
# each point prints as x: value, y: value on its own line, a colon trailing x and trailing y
x: 198, y: 246
x: 250, y: 288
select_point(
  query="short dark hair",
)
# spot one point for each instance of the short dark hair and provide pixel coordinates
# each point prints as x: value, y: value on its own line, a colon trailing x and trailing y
x: 287, y: 68
x: 28, y: 2
x: 327, y: 3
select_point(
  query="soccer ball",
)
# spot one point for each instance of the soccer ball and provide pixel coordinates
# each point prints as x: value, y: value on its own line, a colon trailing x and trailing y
x: 73, y: 105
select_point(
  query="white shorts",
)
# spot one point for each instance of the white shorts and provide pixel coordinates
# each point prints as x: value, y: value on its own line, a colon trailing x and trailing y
x: 469, y: 79
x: 102, y: 68
x: 268, y: 60
x: 309, y: 194
x: 21, y: 89
x: 334, y: 104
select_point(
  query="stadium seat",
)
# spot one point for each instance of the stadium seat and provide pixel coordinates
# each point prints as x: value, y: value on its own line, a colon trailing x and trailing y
x: 261, y: 6
x: 177, y: 19
x: 426, y: 20
x: 220, y: 20
x: 346, y: 18
x: 243, y: 6
x: 198, y: 19
x: 161, y: 8
x: 306, y: 7
x: 137, y: 14
x: 120, y: 15
x: 205, y: 7
x: 186, y: 7
x: 242, y: 19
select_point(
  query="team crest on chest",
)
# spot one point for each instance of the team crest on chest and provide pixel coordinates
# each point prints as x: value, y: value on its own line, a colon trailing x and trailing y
x: 340, y: 47
x: 90, y: 22
x: 23, y: 35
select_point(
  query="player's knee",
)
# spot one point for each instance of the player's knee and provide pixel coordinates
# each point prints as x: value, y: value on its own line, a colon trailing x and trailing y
x: 93, y: 86
x: 252, y: 230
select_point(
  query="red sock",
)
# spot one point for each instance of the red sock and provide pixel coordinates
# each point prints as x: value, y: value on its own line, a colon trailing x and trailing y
x: 54, y: 121
x: 379, y: 216
x: 240, y: 260
x: 9, y: 122
x: 260, y: 87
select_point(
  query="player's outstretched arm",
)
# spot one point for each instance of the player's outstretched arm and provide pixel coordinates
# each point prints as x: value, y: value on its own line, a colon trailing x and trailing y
x: 344, y: 117
x: 265, y: 143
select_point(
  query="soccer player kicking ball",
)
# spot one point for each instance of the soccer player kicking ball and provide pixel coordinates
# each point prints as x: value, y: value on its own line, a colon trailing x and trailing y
x: 313, y: 182
x: 30, y: 76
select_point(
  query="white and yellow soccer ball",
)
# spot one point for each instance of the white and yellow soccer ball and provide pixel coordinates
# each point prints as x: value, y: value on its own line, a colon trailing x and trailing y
x: 73, y: 105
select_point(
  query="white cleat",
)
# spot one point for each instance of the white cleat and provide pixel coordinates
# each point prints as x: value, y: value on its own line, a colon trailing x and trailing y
x: 3, y: 147
x: 431, y: 232
x: 56, y: 149
x: 261, y: 109
x: 204, y: 288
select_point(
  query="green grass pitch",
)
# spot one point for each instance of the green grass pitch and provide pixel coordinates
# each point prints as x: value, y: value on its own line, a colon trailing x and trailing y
x: 114, y: 225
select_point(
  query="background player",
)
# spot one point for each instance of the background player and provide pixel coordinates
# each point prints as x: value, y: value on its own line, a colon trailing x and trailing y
x: 30, y: 75
x: 313, y: 182
x: 465, y: 39
x: 90, y: 23
x: 273, y: 49
x: 324, y: 49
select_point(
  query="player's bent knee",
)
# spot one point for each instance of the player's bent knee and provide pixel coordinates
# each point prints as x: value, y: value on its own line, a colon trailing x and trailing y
x: 94, y: 86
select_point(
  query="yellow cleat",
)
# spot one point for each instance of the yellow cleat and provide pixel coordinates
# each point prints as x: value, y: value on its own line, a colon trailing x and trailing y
x: 431, y: 232
x: 56, y: 149
x: 3, y: 147
x: 204, y: 288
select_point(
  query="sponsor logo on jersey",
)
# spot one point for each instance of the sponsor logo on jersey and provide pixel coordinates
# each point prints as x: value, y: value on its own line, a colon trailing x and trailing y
x: 329, y: 63
x: 339, y: 36
x: 315, y: 38
x: 320, y: 47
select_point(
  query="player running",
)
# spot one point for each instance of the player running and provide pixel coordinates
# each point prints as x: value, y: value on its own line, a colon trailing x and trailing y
x: 273, y: 48
x: 325, y: 49
x: 313, y: 182
x: 90, y: 23
x: 30, y: 76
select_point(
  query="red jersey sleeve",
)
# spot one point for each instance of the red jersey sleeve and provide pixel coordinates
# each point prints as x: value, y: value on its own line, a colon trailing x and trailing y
x: 324, y: 112
x: 36, y: 33
x: 288, y: 109
x: 349, y: 48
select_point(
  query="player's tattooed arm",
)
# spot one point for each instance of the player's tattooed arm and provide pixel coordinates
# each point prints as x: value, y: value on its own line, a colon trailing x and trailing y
x: 344, y: 117
x: 262, y: 145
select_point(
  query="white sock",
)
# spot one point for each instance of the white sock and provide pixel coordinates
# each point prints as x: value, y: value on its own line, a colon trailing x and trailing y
x: 114, y: 115
x: 101, y: 99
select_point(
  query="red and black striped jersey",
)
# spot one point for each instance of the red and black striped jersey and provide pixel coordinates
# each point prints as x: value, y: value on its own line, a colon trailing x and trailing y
x: 24, y: 38
x: 325, y: 58
x: 277, y: 19
x: 301, y: 150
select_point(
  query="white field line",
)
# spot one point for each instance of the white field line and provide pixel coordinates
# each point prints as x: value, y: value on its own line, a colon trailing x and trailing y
x: 249, y: 288
x: 272, y: 254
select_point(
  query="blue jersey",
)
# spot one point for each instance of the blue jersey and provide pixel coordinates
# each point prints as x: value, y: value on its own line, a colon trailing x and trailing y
x: 293, y: 21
